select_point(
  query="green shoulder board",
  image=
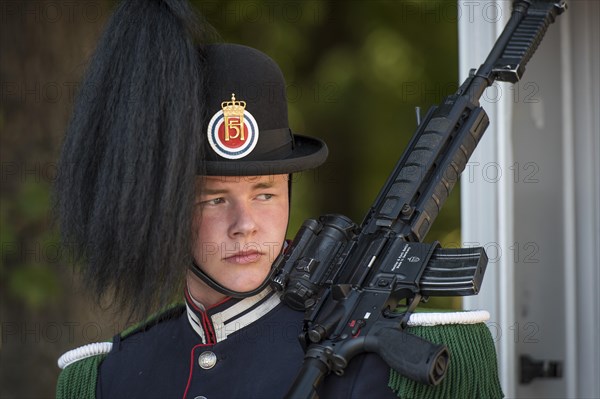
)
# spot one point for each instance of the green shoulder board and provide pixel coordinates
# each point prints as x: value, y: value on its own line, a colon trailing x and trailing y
x: 472, y: 370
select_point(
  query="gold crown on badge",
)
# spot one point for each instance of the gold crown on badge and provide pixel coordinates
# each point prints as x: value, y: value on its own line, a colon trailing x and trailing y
x: 233, y: 107
x: 233, y: 111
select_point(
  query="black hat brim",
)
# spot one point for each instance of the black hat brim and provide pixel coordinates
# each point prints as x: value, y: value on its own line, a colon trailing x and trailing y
x: 308, y: 153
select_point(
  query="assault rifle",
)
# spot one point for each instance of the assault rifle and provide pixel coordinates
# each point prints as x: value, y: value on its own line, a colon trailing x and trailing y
x: 350, y: 279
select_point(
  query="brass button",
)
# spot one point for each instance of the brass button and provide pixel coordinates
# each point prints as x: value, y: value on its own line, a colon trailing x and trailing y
x: 207, y: 360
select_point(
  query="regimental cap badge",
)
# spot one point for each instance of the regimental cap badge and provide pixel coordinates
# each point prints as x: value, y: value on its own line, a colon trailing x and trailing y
x: 234, y: 115
x: 233, y: 131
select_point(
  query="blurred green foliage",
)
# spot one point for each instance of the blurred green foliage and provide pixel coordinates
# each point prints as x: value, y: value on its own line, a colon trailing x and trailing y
x: 29, y: 246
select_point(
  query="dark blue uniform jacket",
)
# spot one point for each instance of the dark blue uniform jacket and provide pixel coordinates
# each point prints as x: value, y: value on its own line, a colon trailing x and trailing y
x: 240, y: 348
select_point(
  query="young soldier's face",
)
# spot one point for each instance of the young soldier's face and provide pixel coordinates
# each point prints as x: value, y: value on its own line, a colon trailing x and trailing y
x: 239, y: 225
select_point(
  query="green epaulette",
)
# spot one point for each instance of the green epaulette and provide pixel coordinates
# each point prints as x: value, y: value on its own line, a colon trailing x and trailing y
x: 472, y: 370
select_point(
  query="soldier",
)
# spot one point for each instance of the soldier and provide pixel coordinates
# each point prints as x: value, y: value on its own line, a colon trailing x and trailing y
x: 175, y: 183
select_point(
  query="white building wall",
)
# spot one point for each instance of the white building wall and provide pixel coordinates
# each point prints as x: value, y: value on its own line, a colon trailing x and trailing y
x: 531, y: 194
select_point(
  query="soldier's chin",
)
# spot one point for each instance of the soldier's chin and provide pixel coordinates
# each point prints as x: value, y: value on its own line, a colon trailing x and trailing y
x: 248, y: 285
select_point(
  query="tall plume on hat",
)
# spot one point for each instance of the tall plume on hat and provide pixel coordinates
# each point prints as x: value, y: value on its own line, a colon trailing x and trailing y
x: 125, y: 189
